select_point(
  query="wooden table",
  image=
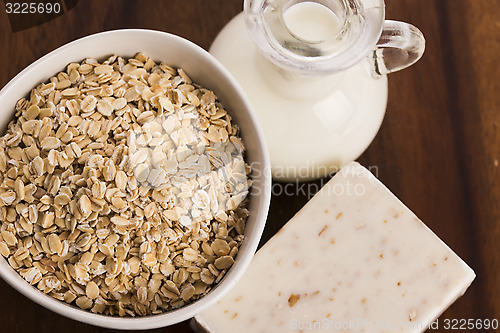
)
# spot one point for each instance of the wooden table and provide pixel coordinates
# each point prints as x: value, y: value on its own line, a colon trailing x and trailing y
x: 438, y: 149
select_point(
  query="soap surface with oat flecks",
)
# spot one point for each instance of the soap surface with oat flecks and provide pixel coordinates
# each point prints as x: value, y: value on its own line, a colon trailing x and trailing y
x: 353, y: 259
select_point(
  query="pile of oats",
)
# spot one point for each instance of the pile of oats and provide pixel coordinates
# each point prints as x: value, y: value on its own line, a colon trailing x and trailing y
x: 122, y: 187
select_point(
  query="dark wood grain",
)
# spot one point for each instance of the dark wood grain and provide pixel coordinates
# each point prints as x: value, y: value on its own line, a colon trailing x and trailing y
x: 438, y: 149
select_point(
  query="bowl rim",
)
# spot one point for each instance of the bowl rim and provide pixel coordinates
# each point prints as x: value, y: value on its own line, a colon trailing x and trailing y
x: 8, y: 274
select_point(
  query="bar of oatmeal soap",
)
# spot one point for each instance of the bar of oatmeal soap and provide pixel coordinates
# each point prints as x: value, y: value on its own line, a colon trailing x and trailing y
x: 354, y: 259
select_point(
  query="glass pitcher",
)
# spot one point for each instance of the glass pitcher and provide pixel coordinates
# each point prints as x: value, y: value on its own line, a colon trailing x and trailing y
x: 315, y: 72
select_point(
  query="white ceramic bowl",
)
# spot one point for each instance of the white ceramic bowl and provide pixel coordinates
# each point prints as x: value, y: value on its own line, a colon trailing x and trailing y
x: 203, y: 69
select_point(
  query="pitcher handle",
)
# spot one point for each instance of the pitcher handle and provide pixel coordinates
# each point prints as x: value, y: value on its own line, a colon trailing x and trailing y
x: 400, y: 45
